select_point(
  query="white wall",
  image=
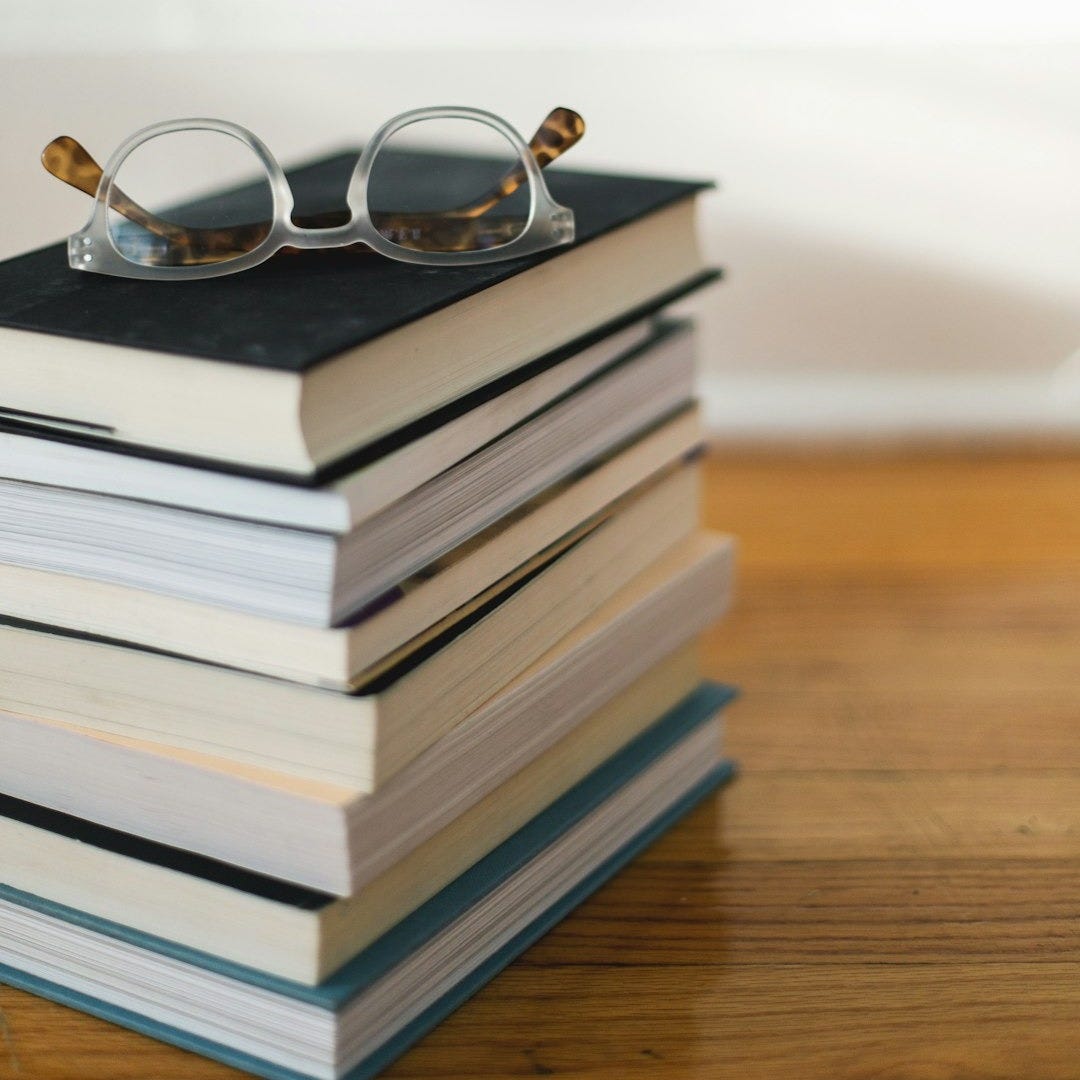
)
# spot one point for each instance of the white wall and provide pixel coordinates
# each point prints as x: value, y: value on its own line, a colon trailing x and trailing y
x: 899, y: 211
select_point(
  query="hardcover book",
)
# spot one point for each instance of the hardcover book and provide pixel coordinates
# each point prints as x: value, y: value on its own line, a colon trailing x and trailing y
x: 293, y: 366
x: 298, y: 933
x: 355, y: 1023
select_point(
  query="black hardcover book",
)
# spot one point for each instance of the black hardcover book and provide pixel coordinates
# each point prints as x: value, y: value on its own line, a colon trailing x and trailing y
x: 292, y: 365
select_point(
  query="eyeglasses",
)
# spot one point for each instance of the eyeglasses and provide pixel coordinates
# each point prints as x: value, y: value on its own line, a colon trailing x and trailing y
x: 402, y: 201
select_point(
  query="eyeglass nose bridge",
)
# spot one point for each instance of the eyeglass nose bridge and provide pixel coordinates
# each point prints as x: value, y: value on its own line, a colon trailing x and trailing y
x: 330, y: 236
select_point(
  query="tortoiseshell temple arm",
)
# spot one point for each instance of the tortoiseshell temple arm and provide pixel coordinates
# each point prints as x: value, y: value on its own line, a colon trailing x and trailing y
x: 561, y: 129
x: 452, y: 230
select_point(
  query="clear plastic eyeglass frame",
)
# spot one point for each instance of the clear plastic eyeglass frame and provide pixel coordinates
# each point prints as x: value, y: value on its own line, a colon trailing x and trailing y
x: 93, y: 248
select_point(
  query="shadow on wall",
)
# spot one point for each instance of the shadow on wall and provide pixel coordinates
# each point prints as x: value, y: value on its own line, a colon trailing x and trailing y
x: 796, y: 298
x: 811, y: 335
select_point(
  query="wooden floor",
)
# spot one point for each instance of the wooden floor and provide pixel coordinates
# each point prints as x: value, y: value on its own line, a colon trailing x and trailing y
x: 891, y: 889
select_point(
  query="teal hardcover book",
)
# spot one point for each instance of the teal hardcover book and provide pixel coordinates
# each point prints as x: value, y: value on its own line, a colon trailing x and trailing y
x: 355, y: 1023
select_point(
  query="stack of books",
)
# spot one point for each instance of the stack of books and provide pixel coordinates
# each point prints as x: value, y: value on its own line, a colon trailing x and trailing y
x: 348, y: 623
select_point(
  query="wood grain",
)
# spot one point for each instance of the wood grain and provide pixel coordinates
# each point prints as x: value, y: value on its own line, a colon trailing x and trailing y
x: 891, y: 889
